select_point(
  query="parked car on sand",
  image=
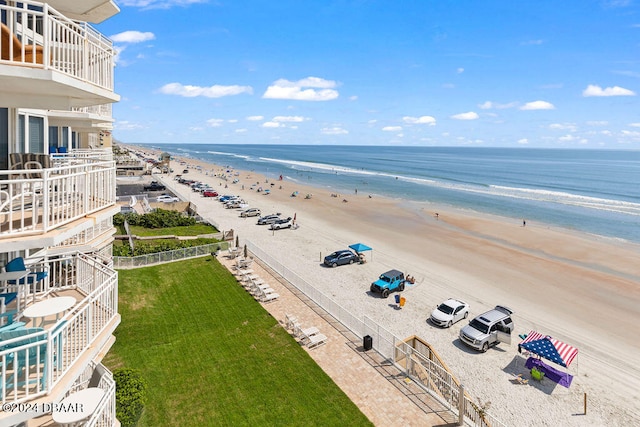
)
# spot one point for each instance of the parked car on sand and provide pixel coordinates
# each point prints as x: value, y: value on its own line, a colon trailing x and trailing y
x: 488, y: 329
x: 341, y: 257
x: 209, y: 193
x: 268, y: 219
x: 282, y: 223
x: 390, y: 281
x: 449, y: 312
x: 250, y: 212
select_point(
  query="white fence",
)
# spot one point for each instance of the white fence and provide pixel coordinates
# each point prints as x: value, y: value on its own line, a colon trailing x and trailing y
x: 168, y: 256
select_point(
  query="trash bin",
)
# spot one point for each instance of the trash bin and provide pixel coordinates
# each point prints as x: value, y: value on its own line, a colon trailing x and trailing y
x: 367, y: 342
x: 397, y: 299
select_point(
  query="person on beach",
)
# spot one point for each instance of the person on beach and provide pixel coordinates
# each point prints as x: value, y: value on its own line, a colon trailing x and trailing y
x: 524, y: 223
x: 437, y: 215
x: 356, y: 191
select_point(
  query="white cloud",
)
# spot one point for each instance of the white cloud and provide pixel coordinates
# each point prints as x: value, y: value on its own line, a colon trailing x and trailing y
x: 568, y: 138
x: 635, y: 125
x: 471, y: 115
x: 353, y: 98
x: 309, y: 89
x: 422, y: 120
x: 215, y: 91
x: 597, y: 123
x: 241, y: 130
x: 538, y: 105
x: 232, y: 120
x: 215, y: 123
x: 523, y: 141
x: 255, y: 118
x: 392, y: 128
x: 158, y: 4
x: 288, y: 119
x: 460, y: 70
x: 132, y: 37
x: 126, y: 125
x: 272, y: 125
x: 334, y: 131
x: 571, y: 127
x: 595, y: 90
x: 372, y: 121
x: 487, y: 105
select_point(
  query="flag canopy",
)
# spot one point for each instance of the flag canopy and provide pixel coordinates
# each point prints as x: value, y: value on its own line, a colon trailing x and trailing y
x: 549, y: 348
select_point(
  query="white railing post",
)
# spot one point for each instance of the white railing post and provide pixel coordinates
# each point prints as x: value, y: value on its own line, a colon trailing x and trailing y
x: 461, y: 405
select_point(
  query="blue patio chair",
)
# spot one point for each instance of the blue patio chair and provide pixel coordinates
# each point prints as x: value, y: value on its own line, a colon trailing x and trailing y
x: 17, y: 264
x: 27, y: 358
x: 62, y: 150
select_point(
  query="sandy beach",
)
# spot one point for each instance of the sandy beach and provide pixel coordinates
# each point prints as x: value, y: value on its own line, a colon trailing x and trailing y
x: 578, y: 288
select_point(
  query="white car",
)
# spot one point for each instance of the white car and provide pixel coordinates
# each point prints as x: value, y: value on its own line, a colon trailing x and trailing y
x: 449, y: 312
x: 250, y: 212
x: 282, y: 223
x: 165, y: 198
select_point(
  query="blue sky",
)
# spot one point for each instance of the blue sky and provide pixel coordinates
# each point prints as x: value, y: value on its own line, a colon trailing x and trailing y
x: 423, y: 73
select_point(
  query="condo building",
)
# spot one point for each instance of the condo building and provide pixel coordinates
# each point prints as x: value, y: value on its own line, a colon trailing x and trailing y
x: 58, y: 287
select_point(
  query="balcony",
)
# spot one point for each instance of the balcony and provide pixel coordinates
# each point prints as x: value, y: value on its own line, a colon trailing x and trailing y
x: 48, y: 192
x: 51, y: 62
x: 45, y: 359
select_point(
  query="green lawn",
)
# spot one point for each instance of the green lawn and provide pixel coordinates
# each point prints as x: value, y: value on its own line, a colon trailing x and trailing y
x: 213, y: 356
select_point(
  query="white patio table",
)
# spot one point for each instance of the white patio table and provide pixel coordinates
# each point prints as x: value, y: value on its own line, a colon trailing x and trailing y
x: 78, y: 406
x: 49, y: 307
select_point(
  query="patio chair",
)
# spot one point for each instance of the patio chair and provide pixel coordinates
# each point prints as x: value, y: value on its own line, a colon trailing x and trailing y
x: 12, y: 48
x: 28, y: 359
x: 316, y: 341
x: 269, y: 297
x: 305, y: 334
x: 17, y: 264
x: 290, y: 321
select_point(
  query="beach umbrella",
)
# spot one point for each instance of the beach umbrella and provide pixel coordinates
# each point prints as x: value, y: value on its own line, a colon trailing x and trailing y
x: 237, y: 240
x: 245, y: 251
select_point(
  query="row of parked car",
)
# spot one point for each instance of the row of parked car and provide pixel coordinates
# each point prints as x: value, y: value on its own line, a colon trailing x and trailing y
x: 484, y: 331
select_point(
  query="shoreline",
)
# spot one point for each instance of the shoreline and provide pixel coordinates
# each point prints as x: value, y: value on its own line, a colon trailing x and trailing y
x: 563, y: 283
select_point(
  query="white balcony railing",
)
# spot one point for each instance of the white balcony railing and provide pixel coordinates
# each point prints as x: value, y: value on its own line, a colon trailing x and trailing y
x: 34, y: 34
x: 32, y: 364
x: 104, y: 110
x: 35, y: 201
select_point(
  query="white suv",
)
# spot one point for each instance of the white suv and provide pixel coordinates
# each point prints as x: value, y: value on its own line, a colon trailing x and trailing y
x: 488, y: 329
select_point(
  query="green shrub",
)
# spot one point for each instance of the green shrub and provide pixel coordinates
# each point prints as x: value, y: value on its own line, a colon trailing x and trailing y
x: 131, y: 396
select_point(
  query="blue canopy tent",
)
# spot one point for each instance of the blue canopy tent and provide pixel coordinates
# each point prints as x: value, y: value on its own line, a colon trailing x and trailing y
x: 361, y: 247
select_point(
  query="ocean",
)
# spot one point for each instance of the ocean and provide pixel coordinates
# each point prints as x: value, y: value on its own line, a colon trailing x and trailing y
x: 593, y: 191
